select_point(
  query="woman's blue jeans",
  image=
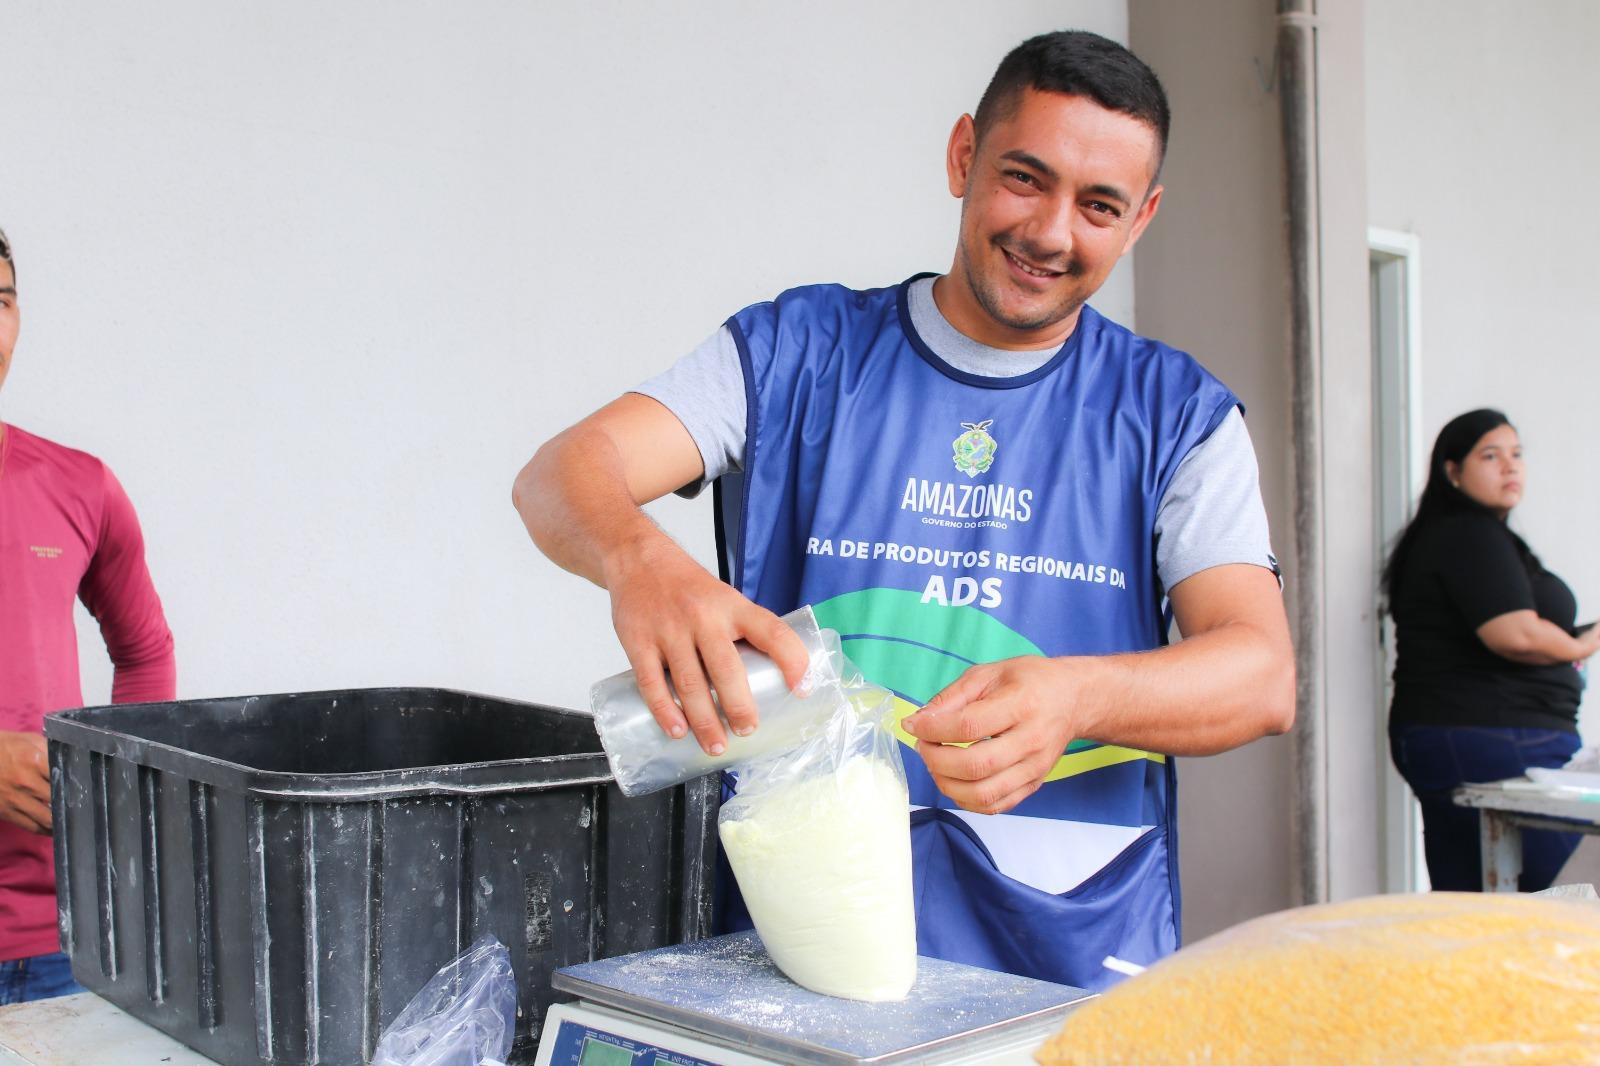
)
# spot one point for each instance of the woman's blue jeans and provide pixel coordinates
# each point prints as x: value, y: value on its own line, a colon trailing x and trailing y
x: 36, y: 977
x: 1436, y: 760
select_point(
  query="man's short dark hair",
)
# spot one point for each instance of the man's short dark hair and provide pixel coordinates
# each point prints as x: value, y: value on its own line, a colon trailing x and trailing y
x: 1077, y: 63
x: 5, y: 255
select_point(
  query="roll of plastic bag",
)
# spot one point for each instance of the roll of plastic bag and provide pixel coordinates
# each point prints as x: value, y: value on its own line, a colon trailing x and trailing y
x: 643, y: 758
x: 466, y: 1015
x: 819, y: 839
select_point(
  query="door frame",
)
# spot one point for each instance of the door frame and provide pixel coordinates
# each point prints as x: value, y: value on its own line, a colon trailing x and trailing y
x: 1400, y: 471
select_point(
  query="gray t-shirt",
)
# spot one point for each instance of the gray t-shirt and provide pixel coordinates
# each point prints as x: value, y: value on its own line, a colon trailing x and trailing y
x: 1210, y: 515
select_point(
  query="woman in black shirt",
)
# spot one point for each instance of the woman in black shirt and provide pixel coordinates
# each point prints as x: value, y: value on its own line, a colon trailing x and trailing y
x: 1484, y: 679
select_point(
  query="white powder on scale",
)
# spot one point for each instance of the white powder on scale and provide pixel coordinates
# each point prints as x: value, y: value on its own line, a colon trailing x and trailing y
x: 824, y: 865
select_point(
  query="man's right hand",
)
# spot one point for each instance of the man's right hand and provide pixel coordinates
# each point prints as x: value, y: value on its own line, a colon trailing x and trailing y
x: 673, y: 617
x: 25, y: 781
x: 580, y: 498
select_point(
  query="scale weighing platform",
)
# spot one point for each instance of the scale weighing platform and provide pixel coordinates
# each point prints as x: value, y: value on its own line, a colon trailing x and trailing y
x: 722, y: 1002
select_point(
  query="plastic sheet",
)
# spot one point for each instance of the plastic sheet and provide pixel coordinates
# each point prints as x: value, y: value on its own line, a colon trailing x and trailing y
x: 1440, y: 978
x: 1581, y: 774
x: 466, y: 1015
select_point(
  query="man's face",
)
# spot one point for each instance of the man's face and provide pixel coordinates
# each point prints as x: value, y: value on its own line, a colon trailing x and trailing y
x: 1057, y: 192
x: 10, y: 317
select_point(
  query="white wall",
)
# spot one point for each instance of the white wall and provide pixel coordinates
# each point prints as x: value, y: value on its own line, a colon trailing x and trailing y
x: 1485, y: 149
x: 316, y: 279
x: 1210, y: 280
x: 1213, y: 277
x: 1357, y: 736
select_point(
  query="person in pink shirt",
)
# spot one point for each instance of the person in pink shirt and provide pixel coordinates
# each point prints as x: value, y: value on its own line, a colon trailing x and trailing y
x: 66, y: 530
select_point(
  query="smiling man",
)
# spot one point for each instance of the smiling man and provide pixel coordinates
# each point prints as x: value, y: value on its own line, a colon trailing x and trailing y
x: 994, y: 494
x: 67, y: 531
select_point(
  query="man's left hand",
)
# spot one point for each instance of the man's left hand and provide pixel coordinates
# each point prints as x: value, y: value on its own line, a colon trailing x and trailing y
x: 1015, y: 716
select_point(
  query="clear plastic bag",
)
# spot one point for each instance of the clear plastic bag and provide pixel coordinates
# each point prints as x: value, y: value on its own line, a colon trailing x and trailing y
x: 1576, y: 892
x: 466, y: 1015
x: 819, y: 839
x: 644, y: 759
x: 1433, y: 979
x: 1581, y: 774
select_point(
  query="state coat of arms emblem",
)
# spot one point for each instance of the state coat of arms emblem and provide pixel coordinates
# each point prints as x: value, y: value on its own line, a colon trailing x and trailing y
x: 974, y: 449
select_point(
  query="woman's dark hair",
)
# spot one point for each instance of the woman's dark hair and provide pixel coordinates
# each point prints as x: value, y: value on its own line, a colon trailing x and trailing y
x: 1440, y: 498
x: 1077, y: 63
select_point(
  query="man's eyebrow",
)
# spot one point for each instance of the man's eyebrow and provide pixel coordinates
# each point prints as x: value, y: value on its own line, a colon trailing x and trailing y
x: 1017, y: 155
x: 1027, y: 159
x: 7, y: 291
x: 1109, y: 192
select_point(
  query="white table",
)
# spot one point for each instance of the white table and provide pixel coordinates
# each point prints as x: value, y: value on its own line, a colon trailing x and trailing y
x: 85, y: 1030
x: 1508, y: 807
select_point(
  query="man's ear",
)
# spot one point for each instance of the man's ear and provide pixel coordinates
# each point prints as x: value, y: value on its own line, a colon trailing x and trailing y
x: 959, y: 154
x: 1147, y: 212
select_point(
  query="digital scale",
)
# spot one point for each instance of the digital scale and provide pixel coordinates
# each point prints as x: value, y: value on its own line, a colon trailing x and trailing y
x: 723, y: 1002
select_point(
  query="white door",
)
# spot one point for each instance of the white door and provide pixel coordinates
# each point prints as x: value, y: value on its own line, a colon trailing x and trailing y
x: 1396, y: 269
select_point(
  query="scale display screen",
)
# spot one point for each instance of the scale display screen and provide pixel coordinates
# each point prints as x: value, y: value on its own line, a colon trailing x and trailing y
x: 596, y: 1052
x: 576, y: 1044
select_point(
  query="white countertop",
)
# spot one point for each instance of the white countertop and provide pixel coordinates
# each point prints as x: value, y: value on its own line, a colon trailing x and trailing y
x: 1521, y: 796
x: 85, y: 1030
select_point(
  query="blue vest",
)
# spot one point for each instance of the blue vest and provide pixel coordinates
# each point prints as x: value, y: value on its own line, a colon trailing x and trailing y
x: 937, y: 519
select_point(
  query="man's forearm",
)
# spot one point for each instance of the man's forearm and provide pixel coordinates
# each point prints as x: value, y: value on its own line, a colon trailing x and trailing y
x: 574, y: 500
x: 1206, y: 694
x: 580, y: 499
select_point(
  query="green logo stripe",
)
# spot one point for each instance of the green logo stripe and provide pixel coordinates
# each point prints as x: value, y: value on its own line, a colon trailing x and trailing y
x: 911, y: 670
x: 965, y: 632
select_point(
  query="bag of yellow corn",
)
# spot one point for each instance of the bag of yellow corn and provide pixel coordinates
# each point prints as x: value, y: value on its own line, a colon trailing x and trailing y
x: 1440, y: 978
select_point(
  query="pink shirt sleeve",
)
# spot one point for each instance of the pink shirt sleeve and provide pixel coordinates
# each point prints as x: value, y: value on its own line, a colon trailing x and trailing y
x: 118, y: 591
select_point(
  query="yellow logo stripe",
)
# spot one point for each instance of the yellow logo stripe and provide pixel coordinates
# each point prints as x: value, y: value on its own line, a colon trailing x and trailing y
x: 1081, y: 762
x: 1069, y: 765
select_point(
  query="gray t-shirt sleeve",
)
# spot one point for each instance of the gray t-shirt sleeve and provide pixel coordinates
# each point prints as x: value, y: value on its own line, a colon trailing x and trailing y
x: 705, y: 389
x: 1212, y: 513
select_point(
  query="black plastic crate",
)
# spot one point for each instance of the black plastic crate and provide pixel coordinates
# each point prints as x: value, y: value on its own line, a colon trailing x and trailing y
x: 270, y: 879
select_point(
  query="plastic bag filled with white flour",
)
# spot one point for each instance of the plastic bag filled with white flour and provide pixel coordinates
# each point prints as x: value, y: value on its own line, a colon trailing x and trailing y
x: 819, y: 839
